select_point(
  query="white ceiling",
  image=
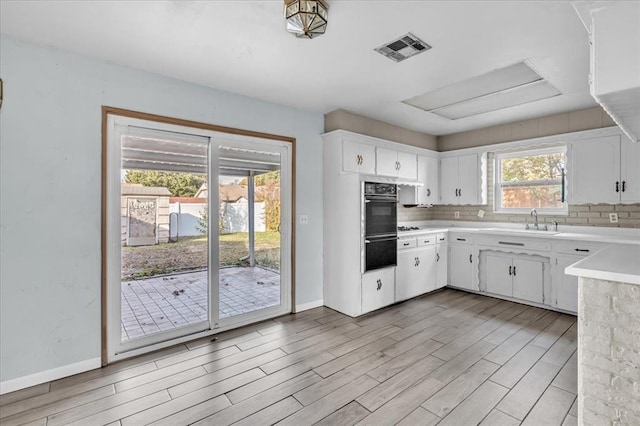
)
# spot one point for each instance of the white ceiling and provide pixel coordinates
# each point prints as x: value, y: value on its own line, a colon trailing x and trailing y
x: 242, y: 47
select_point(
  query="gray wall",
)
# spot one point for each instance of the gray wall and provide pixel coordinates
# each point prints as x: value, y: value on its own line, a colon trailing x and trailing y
x: 584, y: 119
x: 345, y: 120
x: 50, y: 162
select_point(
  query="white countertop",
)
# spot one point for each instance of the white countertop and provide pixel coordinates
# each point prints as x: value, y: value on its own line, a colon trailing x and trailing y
x: 620, y: 262
x: 566, y: 233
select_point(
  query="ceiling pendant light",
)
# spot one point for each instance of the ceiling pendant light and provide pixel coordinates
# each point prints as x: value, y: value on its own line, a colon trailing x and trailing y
x: 306, y: 18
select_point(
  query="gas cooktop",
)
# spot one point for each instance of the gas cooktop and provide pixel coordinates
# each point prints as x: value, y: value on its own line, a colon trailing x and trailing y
x: 408, y: 228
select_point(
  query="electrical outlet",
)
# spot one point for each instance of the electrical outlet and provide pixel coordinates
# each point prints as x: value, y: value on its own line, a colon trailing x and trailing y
x: 456, y: 215
x: 613, y: 217
x: 304, y: 219
x: 481, y: 213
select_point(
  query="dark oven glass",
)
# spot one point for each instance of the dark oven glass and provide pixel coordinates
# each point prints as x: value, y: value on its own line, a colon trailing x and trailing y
x: 380, y: 252
x: 380, y: 217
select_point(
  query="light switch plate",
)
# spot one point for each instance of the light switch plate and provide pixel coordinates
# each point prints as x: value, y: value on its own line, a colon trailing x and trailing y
x: 304, y: 219
x: 613, y: 217
x: 456, y: 215
x: 481, y: 213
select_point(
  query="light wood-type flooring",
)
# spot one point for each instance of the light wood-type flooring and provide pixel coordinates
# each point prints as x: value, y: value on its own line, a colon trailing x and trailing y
x: 447, y: 358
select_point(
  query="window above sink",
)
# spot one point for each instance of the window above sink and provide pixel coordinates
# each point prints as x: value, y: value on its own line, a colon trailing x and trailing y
x: 532, y: 179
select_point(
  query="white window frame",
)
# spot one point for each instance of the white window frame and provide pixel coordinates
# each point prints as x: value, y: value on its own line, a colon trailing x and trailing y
x: 497, y: 178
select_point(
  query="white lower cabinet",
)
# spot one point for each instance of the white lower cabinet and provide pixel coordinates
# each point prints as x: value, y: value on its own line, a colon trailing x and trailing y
x: 566, y: 286
x: 518, y: 276
x: 461, y: 262
x: 442, y: 265
x: 497, y: 280
x: 378, y: 289
x: 416, y: 273
x: 564, y: 294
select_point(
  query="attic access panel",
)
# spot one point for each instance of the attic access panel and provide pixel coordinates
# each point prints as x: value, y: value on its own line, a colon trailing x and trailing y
x: 498, y: 89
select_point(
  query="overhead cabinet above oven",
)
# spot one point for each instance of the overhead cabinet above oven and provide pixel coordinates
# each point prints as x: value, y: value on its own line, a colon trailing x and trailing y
x: 375, y: 157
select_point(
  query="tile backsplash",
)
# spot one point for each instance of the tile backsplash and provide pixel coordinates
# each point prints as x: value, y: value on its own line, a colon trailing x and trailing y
x: 581, y: 215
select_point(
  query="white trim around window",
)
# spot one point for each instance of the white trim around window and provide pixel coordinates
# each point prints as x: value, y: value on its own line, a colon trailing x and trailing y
x: 499, y: 184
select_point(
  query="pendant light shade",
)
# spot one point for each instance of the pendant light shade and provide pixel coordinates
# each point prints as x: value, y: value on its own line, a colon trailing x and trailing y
x: 306, y: 18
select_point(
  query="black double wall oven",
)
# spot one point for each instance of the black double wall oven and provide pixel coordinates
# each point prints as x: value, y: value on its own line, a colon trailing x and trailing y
x: 380, y: 225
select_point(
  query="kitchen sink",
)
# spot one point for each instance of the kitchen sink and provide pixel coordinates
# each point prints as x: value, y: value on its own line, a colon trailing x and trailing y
x: 522, y: 231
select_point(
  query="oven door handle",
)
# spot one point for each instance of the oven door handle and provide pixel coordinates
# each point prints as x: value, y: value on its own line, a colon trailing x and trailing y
x: 380, y: 239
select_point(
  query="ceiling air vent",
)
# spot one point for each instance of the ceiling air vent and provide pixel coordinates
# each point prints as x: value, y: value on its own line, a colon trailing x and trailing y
x: 403, y: 47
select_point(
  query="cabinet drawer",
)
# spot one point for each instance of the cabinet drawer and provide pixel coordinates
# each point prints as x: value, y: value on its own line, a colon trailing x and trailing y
x: 441, y: 238
x: 407, y: 243
x: 460, y: 239
x: 577, y: 247
x: 426, y: 240
x: 515, y: 243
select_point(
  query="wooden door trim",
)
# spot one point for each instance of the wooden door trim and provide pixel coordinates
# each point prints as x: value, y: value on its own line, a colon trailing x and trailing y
x: 106, y: 111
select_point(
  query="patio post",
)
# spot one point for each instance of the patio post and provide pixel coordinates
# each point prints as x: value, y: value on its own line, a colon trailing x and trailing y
x: 252, y: 242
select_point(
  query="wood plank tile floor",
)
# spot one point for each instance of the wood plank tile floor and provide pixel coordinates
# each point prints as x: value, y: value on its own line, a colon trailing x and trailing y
x: 447, y: 358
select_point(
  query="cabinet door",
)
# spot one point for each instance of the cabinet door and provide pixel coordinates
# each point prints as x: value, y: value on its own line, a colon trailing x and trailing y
x: 428, y: 177
x: 386, y: 162
x: 630, y: 171
x: 566, y: 286
x: 378, y: 289
x: 427, y: 268
x: 442, y: 271
x: 468, y: 185
x: 358, y: 157
x: 368, y: 155
x: 595, y: 169
x: 499, y: 272
x: 432, y: 184
x: 528, y: 280
x: 406, y: 275
x: 350, y: 156
x: 460, y: 266
x: 449, y: 180
x: 407, y: 166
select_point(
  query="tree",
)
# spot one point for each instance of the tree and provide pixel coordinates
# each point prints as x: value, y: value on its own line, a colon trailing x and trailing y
x: 538, y: 178
x: 179, y: 184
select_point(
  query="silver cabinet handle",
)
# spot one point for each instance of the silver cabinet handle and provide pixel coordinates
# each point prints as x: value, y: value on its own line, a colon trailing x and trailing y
x: 379, y: 285
x: 510, y: 267
x: 470, y: 258
x: 437, y: 257
x: 428, y: 192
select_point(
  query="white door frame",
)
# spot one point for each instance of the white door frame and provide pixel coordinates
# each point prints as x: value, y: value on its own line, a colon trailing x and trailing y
x: 116, y: 124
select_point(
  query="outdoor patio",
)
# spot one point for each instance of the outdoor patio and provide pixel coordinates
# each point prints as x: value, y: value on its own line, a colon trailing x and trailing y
x: 170, y: 301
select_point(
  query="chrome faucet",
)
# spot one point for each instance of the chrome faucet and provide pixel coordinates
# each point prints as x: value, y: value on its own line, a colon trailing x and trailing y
x: 534, y: 213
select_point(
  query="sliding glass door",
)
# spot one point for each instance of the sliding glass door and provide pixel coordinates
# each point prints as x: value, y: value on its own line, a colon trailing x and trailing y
x: 254, y: 239
x: 198, y: 233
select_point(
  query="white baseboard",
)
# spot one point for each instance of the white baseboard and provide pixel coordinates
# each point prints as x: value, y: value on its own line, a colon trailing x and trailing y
x: 49, y: 375
x: 309, y: 305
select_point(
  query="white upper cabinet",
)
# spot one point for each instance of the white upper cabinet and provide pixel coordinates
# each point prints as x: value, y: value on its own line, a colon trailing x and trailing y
x: 468, y: 179
x: 604, y: 170
x: 428, y: 193
x: 615, y: 64
x: 630, y: 171
x: 358, y: 157
x: 462, y: 179
x: 428, y: 177
x: 394, y: 163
